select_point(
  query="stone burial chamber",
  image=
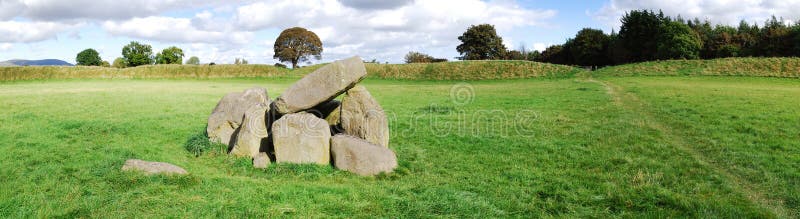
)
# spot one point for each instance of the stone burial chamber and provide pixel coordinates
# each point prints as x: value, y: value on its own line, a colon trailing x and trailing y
x: 307, y: 125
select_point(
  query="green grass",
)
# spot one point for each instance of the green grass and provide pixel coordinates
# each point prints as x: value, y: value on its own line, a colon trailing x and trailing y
x: 760, y: 67
x: 616, y: 147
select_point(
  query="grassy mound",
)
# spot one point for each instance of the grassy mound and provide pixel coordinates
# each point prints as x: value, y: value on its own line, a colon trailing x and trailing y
x: 472, y: 70
x: 760, y: 67
x: 149, y: 71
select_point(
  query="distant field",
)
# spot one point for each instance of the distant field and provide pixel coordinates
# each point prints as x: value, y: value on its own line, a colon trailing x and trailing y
x: 467, y: 70
x: 634, y: 147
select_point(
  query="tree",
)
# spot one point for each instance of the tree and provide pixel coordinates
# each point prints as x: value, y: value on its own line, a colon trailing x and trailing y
x: 747, y: 36
x: 105, y: 64
x: 418, y: 57
x: 638, y: 33
x: 296, y: 45
x: 590, y: 48
x: 516, y: 55
x: 89, y: 57
x: 170, y: 55
x: 775, y: 39
x: 193, y: 61
x: 481, y: 42
x: 678, y: 41
x: 616, y: 50
x: 136, y: 54
x: 796, y: 40
x: 554, y: 54
x: 119, y: 63
x: 706, y: 33
x: 722, y: 43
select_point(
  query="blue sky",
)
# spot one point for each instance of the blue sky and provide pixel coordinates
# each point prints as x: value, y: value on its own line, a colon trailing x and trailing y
x: 220, y: 31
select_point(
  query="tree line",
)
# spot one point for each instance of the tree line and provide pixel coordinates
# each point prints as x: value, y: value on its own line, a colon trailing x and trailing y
x: 644, y: 36
x: 294, y: 45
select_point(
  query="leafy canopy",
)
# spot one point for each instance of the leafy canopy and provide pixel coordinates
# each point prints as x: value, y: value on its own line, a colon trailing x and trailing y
x: 89, y: 57
x: 193, y: 61
x: 119, y: 62
x: 678, y: 41
x: 136, y: 54
x: 481, y: 42
x: 170, y: 55
x: 590, y: 47
x: 296, y: 45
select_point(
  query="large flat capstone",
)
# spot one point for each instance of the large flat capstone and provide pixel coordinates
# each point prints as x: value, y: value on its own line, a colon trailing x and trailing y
x: 321, y: 85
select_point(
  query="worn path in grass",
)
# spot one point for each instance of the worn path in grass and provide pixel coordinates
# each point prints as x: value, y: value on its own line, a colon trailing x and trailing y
x: 754, y: 191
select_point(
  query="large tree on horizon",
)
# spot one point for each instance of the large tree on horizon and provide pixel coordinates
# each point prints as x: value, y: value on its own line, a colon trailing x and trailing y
x: 193, y: 61
x: 590, y: 48
x: 136, y: 54
x: 297, y: 44
x: 639, y: 33
x: 481, y: 42
x: 170, y: 55
x: 89, y: 57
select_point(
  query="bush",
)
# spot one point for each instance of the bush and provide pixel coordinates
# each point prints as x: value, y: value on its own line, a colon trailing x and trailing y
x: 198, y: 144
x: 418, y: 57
x: 279, y: 65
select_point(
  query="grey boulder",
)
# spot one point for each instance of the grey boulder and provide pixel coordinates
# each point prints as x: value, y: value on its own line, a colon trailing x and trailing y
x: 252, y: 132
x: 361, y: 157
x: 301, y: 138
x: 227, y: 115
x: 150, y: 168
x: 261, y: 161
x: 363, y: 117
x: 322, y: 85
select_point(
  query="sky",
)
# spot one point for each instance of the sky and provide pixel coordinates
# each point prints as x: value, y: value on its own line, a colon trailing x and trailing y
x: 384, y: 30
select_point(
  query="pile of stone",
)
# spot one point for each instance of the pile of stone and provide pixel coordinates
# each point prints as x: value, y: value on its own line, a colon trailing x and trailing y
x: 307, y: 125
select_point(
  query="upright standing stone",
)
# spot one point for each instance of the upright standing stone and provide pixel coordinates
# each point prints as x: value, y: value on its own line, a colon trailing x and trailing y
x: 361, y: 157
x: 363, y: 117
x: 252, y: 132
x: 321, y: 85
x: 301, y: 138
x: 227, y: 115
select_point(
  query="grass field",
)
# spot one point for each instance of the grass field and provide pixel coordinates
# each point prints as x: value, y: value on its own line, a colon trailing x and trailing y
x: 577, y: 147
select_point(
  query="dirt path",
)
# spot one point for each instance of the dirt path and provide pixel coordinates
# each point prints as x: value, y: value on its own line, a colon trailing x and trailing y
x: 631, y: 102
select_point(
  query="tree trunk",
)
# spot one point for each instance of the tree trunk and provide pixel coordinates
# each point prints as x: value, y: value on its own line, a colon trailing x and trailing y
x: 294, y: 64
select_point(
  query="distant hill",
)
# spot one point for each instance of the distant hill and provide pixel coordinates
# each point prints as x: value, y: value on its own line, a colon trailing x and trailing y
x: 43, y: 62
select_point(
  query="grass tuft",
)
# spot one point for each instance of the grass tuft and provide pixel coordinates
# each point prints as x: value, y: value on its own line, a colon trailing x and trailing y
x: 198, y: 144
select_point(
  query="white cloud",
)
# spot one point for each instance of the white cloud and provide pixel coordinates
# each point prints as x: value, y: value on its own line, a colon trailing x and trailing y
x: 6, y: 46
x: 27, y: 32
x: 177, y: 30
x: 427, y: 26
x: 375, y: 4
x: 728, y: 12
x: 541, y: 46
x: 60, y: 10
